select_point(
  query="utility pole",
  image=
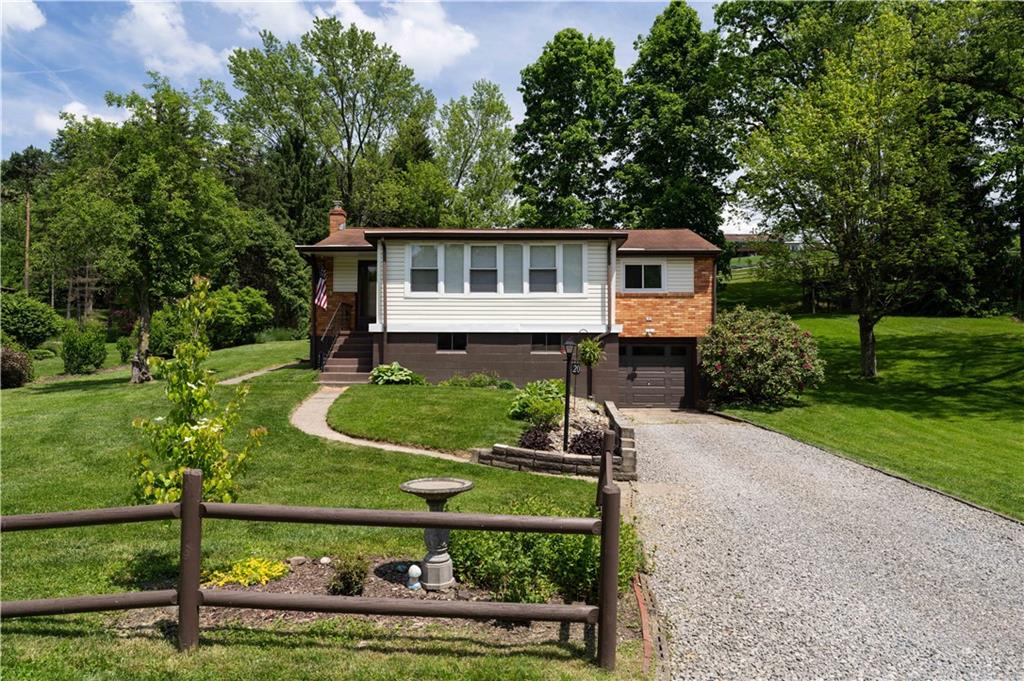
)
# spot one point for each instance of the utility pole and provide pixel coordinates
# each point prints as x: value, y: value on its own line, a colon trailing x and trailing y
x: 28, y: 238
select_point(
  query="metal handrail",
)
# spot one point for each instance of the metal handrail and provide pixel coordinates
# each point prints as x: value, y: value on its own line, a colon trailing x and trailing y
x: 346, y: 318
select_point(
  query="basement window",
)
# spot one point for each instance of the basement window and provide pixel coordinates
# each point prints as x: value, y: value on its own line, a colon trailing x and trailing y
x: 451, y: 342
x: 546, y: 342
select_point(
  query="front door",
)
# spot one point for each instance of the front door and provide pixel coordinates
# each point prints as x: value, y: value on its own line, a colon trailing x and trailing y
x: 366, y: 295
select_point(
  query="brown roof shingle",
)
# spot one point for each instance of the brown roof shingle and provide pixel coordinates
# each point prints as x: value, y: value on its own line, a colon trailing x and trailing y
x: 666, y: 241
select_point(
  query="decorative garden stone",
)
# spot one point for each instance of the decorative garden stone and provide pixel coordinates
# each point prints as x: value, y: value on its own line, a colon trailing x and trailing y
x: 437, y: 564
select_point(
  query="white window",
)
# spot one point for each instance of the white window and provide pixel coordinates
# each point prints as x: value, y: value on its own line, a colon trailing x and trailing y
x: 423, y: 274
x: 572, y: 268
x: 543, y: 269
x: 483, y: 269
x: 644, y: 277
x: 454, y: 266
x: 513, y: 268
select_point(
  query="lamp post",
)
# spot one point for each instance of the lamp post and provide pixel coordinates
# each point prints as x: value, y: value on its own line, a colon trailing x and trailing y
x: 570, y: 347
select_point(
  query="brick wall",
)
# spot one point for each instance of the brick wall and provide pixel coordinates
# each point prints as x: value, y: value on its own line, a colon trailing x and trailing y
x: 323, y: 316
x: 671, y: 315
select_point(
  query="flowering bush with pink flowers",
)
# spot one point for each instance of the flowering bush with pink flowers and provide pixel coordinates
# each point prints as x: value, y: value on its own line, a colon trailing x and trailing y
x: 758, y: 357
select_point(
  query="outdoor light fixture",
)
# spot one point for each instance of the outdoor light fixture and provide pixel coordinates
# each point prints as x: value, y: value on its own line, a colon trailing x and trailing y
x: 571, y: 367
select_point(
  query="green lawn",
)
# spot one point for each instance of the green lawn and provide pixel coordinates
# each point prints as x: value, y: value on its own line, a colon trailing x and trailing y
x: 947, y: 409
x: 446, y: 418
x: 746, y: 288
x: 53, y: 366
x: 67, y: 445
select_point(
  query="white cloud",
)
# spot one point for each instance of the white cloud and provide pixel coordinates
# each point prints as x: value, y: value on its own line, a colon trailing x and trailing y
x: 286, y: 20
x: 21, y: 15
x: 49, y: 121
x: 418, y: 31
x: 156, y: 31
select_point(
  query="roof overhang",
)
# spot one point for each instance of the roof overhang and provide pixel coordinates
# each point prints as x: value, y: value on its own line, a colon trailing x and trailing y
x: 336, y: 248
x: 373, y: 235
x: 707, y: 253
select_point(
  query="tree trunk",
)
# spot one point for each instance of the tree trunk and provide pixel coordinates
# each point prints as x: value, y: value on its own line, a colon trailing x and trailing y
x: 140, y: 362
x: 868, y: 366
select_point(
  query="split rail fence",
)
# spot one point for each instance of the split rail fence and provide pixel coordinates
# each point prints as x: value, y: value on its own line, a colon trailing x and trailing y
x: 190, y: 595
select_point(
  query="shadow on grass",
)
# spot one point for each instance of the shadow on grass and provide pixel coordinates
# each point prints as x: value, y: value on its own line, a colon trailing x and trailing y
x: 931, y: 375
x: 77, y: 384
x: 147, y: 570
x: 343, y: 635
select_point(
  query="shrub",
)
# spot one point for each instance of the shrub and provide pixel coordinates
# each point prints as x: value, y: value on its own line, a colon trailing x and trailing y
x: 395, y: 374
x: 758, y: 357
x: 83, y: 348
x: 480, y: 379
x: 238, y: 316
x: 53, y: 346
x: 7, y: 341
x: 28, y: 321
x: 589, y: 441
x: 41, y: 353
x: 537, y: 437
x: 248, y: 572
x: 125, y: 348
x: 539, y: 402
x: 530, y: 568
x: 281, y: 333
x: 15, y: 368
x: 349, y: 576
x: 165, y: 331
x: 195, y: 432
x: 590, y: 351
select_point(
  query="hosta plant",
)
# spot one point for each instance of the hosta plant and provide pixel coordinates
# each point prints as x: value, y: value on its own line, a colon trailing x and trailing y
x: 758, y: 357
x: 194, y: 433
x: 395, y: 374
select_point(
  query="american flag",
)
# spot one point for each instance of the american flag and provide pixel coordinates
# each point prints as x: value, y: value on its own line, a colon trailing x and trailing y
x: 321, y: 287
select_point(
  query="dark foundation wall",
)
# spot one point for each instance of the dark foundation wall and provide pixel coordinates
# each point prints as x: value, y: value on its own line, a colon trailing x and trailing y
x: 507, y: 354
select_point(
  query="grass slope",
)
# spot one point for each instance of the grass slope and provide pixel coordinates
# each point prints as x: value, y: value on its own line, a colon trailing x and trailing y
x: 67, y: 445
x: 438, y: 417
x: 947, y: 409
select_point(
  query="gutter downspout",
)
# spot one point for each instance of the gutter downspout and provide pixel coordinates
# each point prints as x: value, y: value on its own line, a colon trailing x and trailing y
x: 610, y: 284
x: 384, y: 300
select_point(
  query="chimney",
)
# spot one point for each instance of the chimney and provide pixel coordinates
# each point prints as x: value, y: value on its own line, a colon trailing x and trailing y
x: 337, y: 216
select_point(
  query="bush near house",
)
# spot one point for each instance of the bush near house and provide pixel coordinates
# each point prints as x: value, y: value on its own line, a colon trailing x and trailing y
x: 758, y: 357
x: 27, y: 321
x: 539, y: 402
x: 83, y: 348
x: 395, y: 374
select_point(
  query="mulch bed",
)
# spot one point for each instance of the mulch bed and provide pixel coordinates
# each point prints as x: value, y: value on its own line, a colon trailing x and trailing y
x: 386, y: 579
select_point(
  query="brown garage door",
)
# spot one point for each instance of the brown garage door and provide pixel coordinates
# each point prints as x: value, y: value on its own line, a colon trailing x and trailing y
x: 654, y: 374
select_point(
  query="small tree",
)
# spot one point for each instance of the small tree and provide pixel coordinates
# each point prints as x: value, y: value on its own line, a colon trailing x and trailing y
x: 758, y: 357
x: 193, y: 434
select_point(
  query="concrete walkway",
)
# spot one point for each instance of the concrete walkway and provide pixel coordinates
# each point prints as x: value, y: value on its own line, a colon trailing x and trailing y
x: 235, y: 380
x: 775, y: 559
x: 311, y: 418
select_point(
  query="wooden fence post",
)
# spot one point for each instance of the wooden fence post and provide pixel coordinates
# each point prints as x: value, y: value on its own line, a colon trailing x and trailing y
x: 606, y: 459
x: 608, y: 596
x: 189, y: 561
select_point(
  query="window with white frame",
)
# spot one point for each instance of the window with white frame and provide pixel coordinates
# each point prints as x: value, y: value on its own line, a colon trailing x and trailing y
x: 543, y: 269
x: 423, y: 269
x: 512, y: 263
x: 483, y: 269
x: 644, y: 277
x: 454, y: 278
x: 514, y: 269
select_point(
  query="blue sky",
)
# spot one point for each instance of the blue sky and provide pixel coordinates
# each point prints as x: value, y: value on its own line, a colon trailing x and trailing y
x: 66, y: 55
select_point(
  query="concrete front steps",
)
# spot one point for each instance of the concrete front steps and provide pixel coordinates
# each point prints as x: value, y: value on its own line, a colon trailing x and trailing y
x: 350, y: 362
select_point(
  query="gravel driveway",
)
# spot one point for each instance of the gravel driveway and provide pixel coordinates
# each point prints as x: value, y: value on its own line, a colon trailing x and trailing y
x: 774, y: 559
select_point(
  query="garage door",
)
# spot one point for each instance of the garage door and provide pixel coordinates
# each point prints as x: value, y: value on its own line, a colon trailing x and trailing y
x: 654, y: 374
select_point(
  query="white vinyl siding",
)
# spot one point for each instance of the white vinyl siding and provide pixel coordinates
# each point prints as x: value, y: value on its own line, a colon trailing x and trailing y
x: 676, y: 272
x: 346, y: 268
x: 504, y: 311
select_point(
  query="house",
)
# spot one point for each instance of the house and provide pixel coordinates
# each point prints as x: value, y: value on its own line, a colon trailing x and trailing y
x: 442, y: 301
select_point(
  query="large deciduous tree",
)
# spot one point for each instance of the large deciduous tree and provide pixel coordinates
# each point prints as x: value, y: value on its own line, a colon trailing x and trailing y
x: 674, y: 159
x: 145, y: 197
x: 566, y: 137
x: 474, y: 149
x: 855, y: 164
x: 339, y: 89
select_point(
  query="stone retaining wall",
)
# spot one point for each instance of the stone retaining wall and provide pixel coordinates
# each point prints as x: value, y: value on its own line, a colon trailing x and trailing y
x: 520, y: 459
